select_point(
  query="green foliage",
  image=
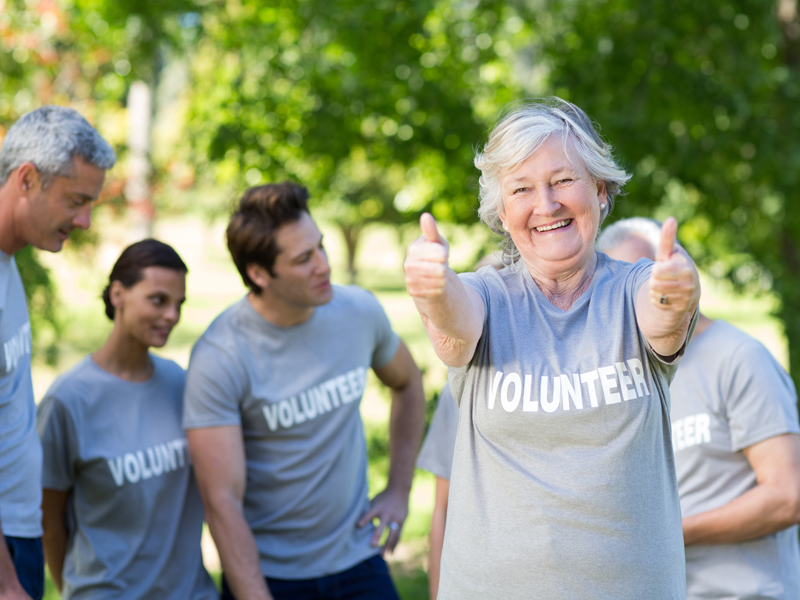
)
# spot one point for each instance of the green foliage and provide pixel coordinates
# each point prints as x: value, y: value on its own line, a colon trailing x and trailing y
x: 42, y: 302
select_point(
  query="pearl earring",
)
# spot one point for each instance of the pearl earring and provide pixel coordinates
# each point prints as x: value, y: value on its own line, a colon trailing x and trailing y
x: 505, y: 226
x: 602, y: 206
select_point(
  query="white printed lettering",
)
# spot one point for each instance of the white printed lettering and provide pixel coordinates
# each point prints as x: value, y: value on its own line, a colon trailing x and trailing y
x: 677, y: 435
x: 132, y: 471
x: 547, y: 404
x: 285, y: 414
x: 571, y: 391
x: 625, y: 381
x: 511, y: 404
x: 333, y: 393
x: 589, y: 379
x: 495, y: 384
x: 527, y: 405
x: 635, y: 368
x: 344, y: 390
x: 298, y: 416
x: 271, y: 415
x: 157, y: 466
x: 608, y: 382
x: 702, y: 428
x: 309, y: 406
x: 688, y: 431
x: 168, y: 458
x: 146, y: 473
x: 115, y: 464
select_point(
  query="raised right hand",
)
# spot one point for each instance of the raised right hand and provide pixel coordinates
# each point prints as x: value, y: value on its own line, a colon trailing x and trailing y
x: 426, y: 262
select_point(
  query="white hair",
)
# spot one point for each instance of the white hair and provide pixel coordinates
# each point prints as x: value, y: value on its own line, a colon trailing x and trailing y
x: 49, y: 137
x: 520, y: 133
x: 615, y: 234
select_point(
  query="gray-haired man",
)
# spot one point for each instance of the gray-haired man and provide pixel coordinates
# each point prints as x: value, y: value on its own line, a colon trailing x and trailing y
x: 52, y: 166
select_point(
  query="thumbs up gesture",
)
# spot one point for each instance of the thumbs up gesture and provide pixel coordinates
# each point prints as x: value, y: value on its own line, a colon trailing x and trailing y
x: 674, y: 282
x: 426, y: 261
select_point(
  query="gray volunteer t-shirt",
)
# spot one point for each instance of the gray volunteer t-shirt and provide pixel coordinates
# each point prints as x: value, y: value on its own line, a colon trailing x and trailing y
x: 296, y: 392
x: 436, y: 454
x: 134, y: 515
x: 20, y: 451
x: 730, y: 393
x: 563, y: 481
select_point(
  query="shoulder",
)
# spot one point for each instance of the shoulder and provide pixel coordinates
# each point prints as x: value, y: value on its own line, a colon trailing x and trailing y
x: 71, y: 388
x: 168, y: 369
x: 355, y: 301
x: 220, y: 338
x: 8, y: 271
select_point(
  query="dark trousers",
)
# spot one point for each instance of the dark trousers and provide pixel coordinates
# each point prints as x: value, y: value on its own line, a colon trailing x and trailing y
x: 368, y: 580
x: 28, y: 559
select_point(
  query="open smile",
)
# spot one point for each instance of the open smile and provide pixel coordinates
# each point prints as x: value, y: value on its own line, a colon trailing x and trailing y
x: 559, y: 225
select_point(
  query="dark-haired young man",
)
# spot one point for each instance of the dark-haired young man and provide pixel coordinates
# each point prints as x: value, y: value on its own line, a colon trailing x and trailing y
x: 272, y: 408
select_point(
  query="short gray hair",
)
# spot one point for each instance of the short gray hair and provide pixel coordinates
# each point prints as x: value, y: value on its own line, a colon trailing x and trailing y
x: 49, y: 137
x: 521, y: 132
x: 615, y: 234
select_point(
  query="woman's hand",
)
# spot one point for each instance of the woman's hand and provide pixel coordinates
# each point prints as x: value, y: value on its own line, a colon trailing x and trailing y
x: 674, y: 282
x: 665, y: 307
x: 426, y: 262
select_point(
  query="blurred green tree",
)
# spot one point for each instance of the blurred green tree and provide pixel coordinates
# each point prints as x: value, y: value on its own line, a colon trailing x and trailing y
x: 374, y: 106
x: 701, y: 101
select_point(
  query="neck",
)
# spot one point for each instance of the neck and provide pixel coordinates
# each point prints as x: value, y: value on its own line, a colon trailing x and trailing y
x: 563, y: 288
x: 9, y: 241
x: 277, y: 312
x: 124, y: 357
x: 703, y: 323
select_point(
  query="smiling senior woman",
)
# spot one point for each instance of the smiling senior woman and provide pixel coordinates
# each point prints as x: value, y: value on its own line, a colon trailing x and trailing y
x: 563, y: 482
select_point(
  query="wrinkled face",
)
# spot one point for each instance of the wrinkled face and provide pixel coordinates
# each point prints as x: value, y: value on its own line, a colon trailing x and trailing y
x: 551, y: 207
x: 51, y: 214
x: 148, y: 310
x: 301, y: 271
x: 632, y: 249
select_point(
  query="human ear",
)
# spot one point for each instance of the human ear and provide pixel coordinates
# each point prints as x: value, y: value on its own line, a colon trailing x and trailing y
x: 27, y: 179
x: 116, y: 294
x: 258, y: 275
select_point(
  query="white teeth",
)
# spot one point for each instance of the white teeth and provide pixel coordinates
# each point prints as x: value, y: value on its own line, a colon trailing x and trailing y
x: 563, y: 223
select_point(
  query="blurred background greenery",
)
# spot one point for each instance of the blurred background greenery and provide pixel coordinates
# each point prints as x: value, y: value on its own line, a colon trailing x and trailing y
x: 378, y: 107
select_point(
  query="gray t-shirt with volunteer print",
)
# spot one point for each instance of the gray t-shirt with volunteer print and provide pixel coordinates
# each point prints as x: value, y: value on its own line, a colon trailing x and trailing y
x: 20, y: 451
x: 563, y: 483
x: 134, y: 514
x: 436, y: 455
x: 730, y: 393
x: 296, y: 392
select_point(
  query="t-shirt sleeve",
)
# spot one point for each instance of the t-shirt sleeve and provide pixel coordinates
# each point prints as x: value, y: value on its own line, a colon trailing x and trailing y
x: 216, y: 384
x: 56, y: 429
x: 437, y: 451
x: 760, y: 397
x: 386, y: 340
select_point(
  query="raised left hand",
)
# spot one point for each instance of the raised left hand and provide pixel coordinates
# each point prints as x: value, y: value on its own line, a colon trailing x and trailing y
x: 390, y: 507
x: 674, y: 282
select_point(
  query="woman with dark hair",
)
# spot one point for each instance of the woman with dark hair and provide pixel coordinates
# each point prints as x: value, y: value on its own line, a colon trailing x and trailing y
x: 122, y: 516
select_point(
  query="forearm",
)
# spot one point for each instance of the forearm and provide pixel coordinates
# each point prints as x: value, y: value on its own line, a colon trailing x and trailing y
x: 237, y: 550
x: 758, y: 512
x: 54, y: 542
x: 9, y: 583
x: 438, y: 521
x: 406, y: 426
x: 453, y: 321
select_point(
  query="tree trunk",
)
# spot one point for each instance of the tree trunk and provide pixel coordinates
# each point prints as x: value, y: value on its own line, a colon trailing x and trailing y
x: 352, y: 234
x: 137, y: 187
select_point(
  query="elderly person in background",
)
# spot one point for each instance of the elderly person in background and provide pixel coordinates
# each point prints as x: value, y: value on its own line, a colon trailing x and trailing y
x: 563, y: 482
x: 737, y: 452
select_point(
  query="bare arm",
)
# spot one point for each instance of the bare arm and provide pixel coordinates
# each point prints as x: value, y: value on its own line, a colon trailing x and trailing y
x: 451, y: 312
x: 10, y: 588
x: 771, y: 506
x: 54, y: 540
x: 438, y: 521
x: 674, y: 279
x: 406, y: 424
x: 220, y: 469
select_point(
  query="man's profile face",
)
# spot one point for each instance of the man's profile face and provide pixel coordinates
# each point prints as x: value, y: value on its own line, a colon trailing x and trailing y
x: 50, y: 214
x: 301, y: 271
x: 632, y: 249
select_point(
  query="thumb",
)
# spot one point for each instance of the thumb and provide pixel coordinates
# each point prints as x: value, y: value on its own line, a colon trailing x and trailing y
x: 667, y: 244
x: 429, y: 229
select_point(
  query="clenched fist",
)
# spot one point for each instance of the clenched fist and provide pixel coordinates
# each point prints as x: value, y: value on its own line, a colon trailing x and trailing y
x: 426, y: 262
